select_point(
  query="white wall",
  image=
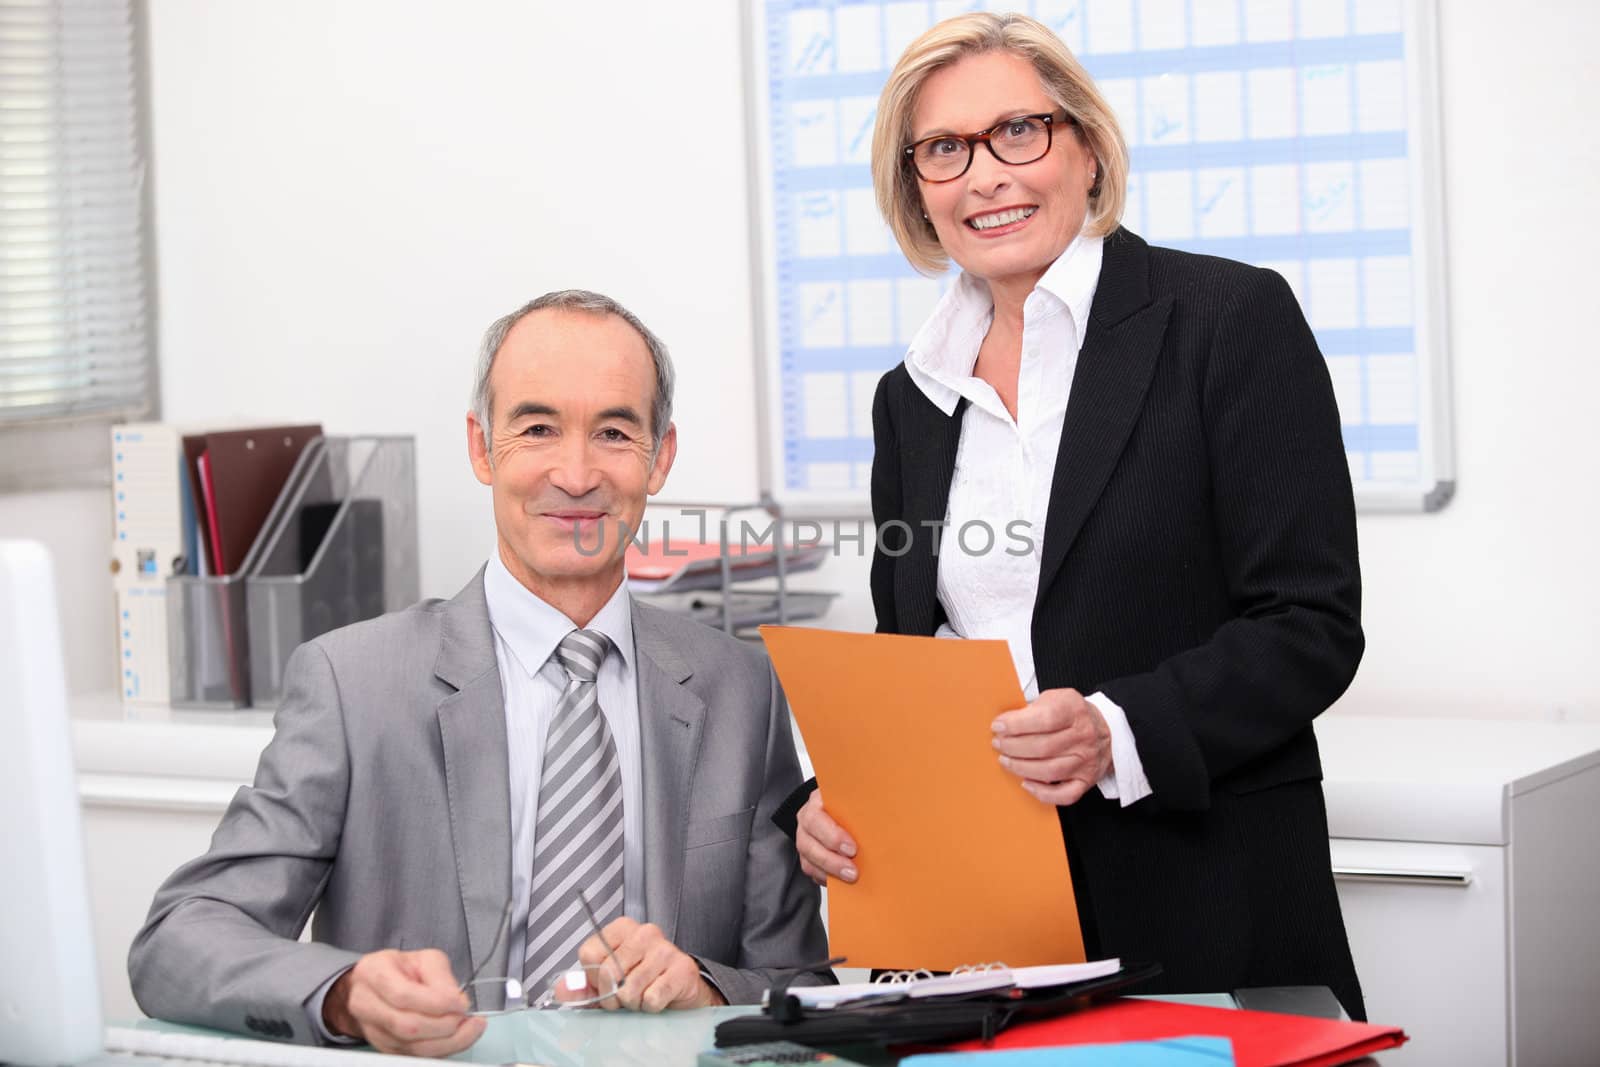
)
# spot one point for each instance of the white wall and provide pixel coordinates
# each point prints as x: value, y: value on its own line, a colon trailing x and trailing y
x: 347, y: 193
x: 1492, y: 607
x: 75, y: 524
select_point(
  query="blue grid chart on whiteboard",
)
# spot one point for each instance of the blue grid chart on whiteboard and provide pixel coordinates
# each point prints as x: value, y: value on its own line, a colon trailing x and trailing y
x: 1268, y: 131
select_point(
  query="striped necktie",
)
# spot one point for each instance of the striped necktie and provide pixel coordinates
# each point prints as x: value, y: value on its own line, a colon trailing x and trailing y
x: 578, y: 830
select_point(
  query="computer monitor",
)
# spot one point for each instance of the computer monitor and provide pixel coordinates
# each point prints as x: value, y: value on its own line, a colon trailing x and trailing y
x: 49, y: 987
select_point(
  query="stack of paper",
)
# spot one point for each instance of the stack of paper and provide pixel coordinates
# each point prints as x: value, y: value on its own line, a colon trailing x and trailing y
x: 662, y: 566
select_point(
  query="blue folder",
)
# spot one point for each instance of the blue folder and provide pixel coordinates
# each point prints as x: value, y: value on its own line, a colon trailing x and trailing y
x: 1169, y: 1052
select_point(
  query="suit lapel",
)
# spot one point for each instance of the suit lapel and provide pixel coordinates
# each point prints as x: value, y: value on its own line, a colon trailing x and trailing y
x: 472, y: 730
x: 670, y: 721
x: 1108, y: 389
x: 929, y: 440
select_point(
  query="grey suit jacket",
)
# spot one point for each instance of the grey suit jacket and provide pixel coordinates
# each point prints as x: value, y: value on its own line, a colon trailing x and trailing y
x: 383, y: 803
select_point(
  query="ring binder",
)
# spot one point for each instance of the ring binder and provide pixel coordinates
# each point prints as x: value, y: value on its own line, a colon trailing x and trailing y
x: 897, y: 1016
x: 968, y: 978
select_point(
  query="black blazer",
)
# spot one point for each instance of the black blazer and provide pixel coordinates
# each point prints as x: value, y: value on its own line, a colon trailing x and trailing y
x: 1199, y: 567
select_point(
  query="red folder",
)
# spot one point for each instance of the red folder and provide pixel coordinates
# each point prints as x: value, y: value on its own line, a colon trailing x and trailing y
x: 248, y: 469
x: 1260, y: 1038
x: 662, y: 559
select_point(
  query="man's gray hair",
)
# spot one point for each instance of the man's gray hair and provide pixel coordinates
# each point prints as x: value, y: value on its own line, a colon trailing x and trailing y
x: 595, y: 304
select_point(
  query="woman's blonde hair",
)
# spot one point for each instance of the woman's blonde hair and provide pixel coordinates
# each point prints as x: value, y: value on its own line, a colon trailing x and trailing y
x: 1064, y: 80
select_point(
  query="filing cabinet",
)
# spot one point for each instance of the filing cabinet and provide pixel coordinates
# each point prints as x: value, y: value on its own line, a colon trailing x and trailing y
x: 1467, y: 857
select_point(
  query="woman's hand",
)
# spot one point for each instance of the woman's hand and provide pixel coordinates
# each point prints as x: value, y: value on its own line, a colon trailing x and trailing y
x: 1059, y: 746
x: 826, y: 851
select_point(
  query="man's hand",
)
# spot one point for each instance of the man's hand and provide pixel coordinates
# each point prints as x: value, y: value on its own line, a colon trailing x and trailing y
x: 1059, y: 745
x: 656, y: 974
x: 826, y: 851
x: 405, y: 1002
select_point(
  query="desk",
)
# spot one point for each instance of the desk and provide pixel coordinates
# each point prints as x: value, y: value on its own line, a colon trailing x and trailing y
x: 568, y: 1038
x: 599, y: 1039
x: 614, y: 1039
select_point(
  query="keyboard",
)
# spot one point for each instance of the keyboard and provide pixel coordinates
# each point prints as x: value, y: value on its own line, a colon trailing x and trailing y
x: 144, y: 1047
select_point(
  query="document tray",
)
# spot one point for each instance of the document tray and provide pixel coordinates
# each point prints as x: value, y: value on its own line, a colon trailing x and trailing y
x: 339, y: 545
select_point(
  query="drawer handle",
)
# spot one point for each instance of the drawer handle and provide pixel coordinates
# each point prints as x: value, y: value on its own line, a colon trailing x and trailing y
x: 1393, y: 876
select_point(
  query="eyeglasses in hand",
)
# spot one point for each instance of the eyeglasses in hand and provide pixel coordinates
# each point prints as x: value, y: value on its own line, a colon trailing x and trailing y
x: 579, y: 986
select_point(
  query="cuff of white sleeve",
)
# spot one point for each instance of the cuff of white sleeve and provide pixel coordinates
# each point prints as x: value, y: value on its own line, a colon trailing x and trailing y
x: 314, y: 1014
x: 1126, y: 782
x: 705, y: 976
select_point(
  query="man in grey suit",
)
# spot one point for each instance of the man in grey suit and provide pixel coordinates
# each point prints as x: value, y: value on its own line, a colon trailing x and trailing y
x: 437, y: 769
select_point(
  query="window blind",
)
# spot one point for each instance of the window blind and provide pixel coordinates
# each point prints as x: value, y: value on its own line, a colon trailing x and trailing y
x: 74, y: 336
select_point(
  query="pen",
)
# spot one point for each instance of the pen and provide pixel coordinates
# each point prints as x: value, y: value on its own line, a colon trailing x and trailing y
x: 595, y: 922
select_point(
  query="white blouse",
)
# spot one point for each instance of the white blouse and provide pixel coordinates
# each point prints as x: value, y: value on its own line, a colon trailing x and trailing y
x: 989, y: 550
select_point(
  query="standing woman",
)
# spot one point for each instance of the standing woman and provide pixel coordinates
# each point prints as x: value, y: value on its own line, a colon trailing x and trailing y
x: 1158, y: 431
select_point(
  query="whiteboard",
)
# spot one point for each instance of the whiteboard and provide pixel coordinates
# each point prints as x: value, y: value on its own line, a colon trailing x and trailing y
x: 1301, y: 136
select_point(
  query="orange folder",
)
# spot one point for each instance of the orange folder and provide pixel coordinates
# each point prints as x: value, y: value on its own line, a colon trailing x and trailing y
x: 958, y: 864
x: 1260, y: 1038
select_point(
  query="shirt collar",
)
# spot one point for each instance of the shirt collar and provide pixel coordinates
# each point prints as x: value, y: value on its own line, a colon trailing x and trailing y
x: 532, y: 629
x: 1073, y: 278
x: 945, y: 350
